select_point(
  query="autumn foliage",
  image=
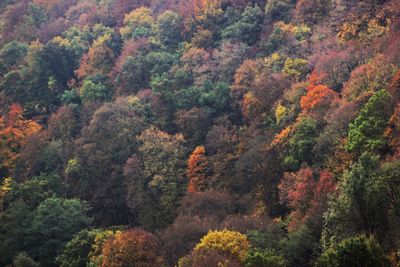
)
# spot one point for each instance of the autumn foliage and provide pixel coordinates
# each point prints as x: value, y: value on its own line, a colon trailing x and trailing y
x: 319, y: 97
x: 392, y: 132
x: 131, y: 248
x: 14, y: 130
x: 199, y: 133
x: 228, y: 246
x: 306, y: 196
x: 197, y: 170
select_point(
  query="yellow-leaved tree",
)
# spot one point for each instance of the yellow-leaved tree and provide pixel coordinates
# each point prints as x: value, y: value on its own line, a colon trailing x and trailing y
x: 218, y: 248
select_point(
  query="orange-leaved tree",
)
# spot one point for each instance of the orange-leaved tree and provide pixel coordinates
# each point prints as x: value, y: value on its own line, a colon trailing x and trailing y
x: 131, y: 248
x: 197, y: 170
x: 306, y: 195
x: 319, y: 97
x: 14, y: 129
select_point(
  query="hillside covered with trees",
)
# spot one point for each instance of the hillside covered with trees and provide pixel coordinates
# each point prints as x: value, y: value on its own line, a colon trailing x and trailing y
x: 200, y: 133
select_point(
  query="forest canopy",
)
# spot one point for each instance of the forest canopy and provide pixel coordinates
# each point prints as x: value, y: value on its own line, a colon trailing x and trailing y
x: 192, y: 133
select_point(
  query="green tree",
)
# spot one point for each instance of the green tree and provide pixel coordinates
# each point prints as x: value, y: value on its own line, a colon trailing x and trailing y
x: 11, y: 54
x: 37, y: 189
x: 134, y: 74
x: 19, y: 205
x: 389, y: 177
x: 55, y: 221
x: 76, y: 252
x: 23, y: 260
x: 247, y: 28
x: 40, y: 81
x: 15, y: 224
x: 168, y: 29
x: 266, y: 258
x: 91, y: 91
x: 278, y: 10
x: 105, y: 144
x: 160, y: 61
x: 296, y: 68
x: 355, y: 251
x: 156, y: 180
x: 362, y: 204
x: 137, y: 24
x: 298, y: 247
x: 366, y: 132
x: 5, y: 187
x: 302, y: 143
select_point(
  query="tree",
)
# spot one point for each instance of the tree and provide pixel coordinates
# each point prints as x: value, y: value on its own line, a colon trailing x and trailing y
x: 214, y: 97
x: 76, y: 251
x: 278, y: 10
x: 296, y: 68
x: 394, y: 87
x: 15, y: 224
x: 298, y: 247
x: 168, y: 169
x: 287, y: 38
x: 296, y: 190
x: 247, y: 28
x: 182, y: 235
x: 64, y: 126
x: 134, y: 73
x: 227, y: 58
x: 5, y: 187
x: 91, y: 91
x: 366, y: 132
x: 301, y: 143
x: 355, y: 251
x: 202, y: 14
x: 160, y: 62
x: 212, y: 258
x: 95, y: 254
x: 233, y: 243
x: 55, y: 221
x: 202, y: 38
x: 310, y: 12
x: 392, y: 132
x: 318, y: 100
x: 131, y: 248
x: 55, y: 7
x: 98, y: 60
x: 307, y: 197
x: 197, y: 170
x: 198, y: 213
x: 14, y: 130
x: 259, y: 258
x: 336, y: 64
x: 137, y: 24
x: 168, y: 29
x: 10, y: 55
x: 361, y: 206
x: 95, y: 174
x: 368, y: 78
x: 388, y: 175
x: 257, y: 87
x: 324, y: 189
x: 36, y: 221
x: 43, y: 77
x: 160, y: 181
x: 233, y: 246
x: 193, y: 124
x: 197, y: 62
x: 23, y: 260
